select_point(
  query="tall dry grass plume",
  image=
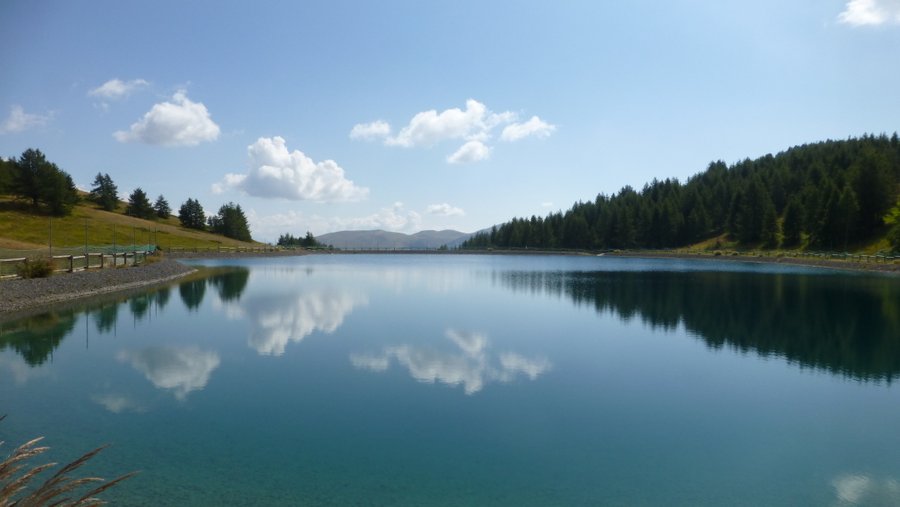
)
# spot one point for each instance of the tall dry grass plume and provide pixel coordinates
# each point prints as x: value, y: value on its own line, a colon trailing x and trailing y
x: 17, y: 477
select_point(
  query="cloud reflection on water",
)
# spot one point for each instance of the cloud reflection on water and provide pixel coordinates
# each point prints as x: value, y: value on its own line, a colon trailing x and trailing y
x: 20, y: 370
x: 117, y: 403
x: 472, y: 365
x: 860, y: 489
x: 179, y: 369
x: 277, y: 321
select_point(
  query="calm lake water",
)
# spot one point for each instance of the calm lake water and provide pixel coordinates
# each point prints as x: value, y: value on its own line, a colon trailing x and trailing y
x: 474, y: 380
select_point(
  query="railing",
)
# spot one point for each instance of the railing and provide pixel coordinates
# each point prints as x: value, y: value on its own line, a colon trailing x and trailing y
x: 9, y: 268
x: 222, y: 249
x: 877, y: 258
x: 14, y: 262
x: 85, y: 260
x: 880, y: 257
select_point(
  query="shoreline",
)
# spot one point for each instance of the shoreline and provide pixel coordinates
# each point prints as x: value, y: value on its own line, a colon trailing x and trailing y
x: 25, y: 297
x: 836, y: 264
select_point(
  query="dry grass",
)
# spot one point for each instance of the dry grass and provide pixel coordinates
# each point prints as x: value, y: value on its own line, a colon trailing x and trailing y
x: 21, y: 227
x: 723, y: 243
x: 16, y: 476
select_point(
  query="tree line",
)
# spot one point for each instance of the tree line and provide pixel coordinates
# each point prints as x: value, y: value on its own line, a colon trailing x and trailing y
x: 308, y: 241
x: 826, y: 195
x: 42, y: 183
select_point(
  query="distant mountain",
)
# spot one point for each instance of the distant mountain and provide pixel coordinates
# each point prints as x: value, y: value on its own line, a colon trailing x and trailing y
x: 385, y: 239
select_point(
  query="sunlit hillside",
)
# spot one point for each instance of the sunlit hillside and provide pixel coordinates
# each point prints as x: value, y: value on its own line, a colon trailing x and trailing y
x: 23, y: 228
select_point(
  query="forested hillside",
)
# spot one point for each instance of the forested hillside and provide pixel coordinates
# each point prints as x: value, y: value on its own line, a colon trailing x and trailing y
x: 826, y: 195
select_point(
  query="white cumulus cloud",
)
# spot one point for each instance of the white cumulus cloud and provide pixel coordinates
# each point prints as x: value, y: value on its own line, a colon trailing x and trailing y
x: 179, y: 122
x: 444, y: 210
x: 476, y: 125
x: 430, y: 127
x: 18, y: 120
x: 472, y: 151
x: 368, y: 131
x: 871, y: 12
x: 396, y: 218
x: 534, y: 127
x: 393, y: 218
x: 277, y: 172
x: 115, y: 89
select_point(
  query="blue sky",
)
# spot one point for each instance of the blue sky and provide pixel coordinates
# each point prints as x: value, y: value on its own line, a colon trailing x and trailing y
x: 428, y: 115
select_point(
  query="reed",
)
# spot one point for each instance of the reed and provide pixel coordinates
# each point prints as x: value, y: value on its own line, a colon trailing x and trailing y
x: 17, y: 478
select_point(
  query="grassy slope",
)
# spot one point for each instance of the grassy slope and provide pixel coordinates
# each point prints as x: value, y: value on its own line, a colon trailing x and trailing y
x: 23, y: 228
x: 879, y: 245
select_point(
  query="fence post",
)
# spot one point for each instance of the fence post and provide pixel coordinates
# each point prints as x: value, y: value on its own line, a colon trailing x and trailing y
x: 71, y: 264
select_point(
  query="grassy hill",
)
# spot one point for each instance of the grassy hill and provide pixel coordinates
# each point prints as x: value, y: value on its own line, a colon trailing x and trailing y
x: 23, y: 228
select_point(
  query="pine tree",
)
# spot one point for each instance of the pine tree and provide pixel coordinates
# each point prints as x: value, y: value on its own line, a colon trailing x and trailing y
x: 191, y: 214
x: 40, y: 181
x: 26, y: 181
x: 6, y: 174
x: 874, y: 186
x: 161, y: 207
x: 139, y: 205
x: 104, y: 192
x: 230, y: 222
x: 751, y: 216
x: 769, y: 231
x: 848, y: 213
x: 793, y: 223
x: 60, y: 193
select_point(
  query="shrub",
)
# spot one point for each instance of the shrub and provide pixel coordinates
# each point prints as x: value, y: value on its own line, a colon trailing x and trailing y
x: 894, y: 238
x: 39, y: 267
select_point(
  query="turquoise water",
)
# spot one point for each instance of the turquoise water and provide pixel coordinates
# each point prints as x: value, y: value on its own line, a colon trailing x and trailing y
x: 474, y: 380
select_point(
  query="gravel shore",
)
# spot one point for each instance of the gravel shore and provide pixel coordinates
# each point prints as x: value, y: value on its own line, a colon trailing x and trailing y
x: 20, y: 296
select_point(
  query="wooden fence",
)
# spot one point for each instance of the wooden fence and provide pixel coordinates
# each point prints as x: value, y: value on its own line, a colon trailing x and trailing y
x: 877, y: 258
x: 9, y: 268
x: 223, y: 249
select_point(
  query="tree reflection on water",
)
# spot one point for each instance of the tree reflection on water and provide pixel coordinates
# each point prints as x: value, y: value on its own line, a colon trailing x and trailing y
x: 845, y: 324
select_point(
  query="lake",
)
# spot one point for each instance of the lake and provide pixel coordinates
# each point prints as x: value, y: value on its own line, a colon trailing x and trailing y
x: 474, y: 380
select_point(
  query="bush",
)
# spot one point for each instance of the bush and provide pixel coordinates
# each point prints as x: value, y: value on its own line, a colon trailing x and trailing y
x: 39, y: 267
x: 894, y: 238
